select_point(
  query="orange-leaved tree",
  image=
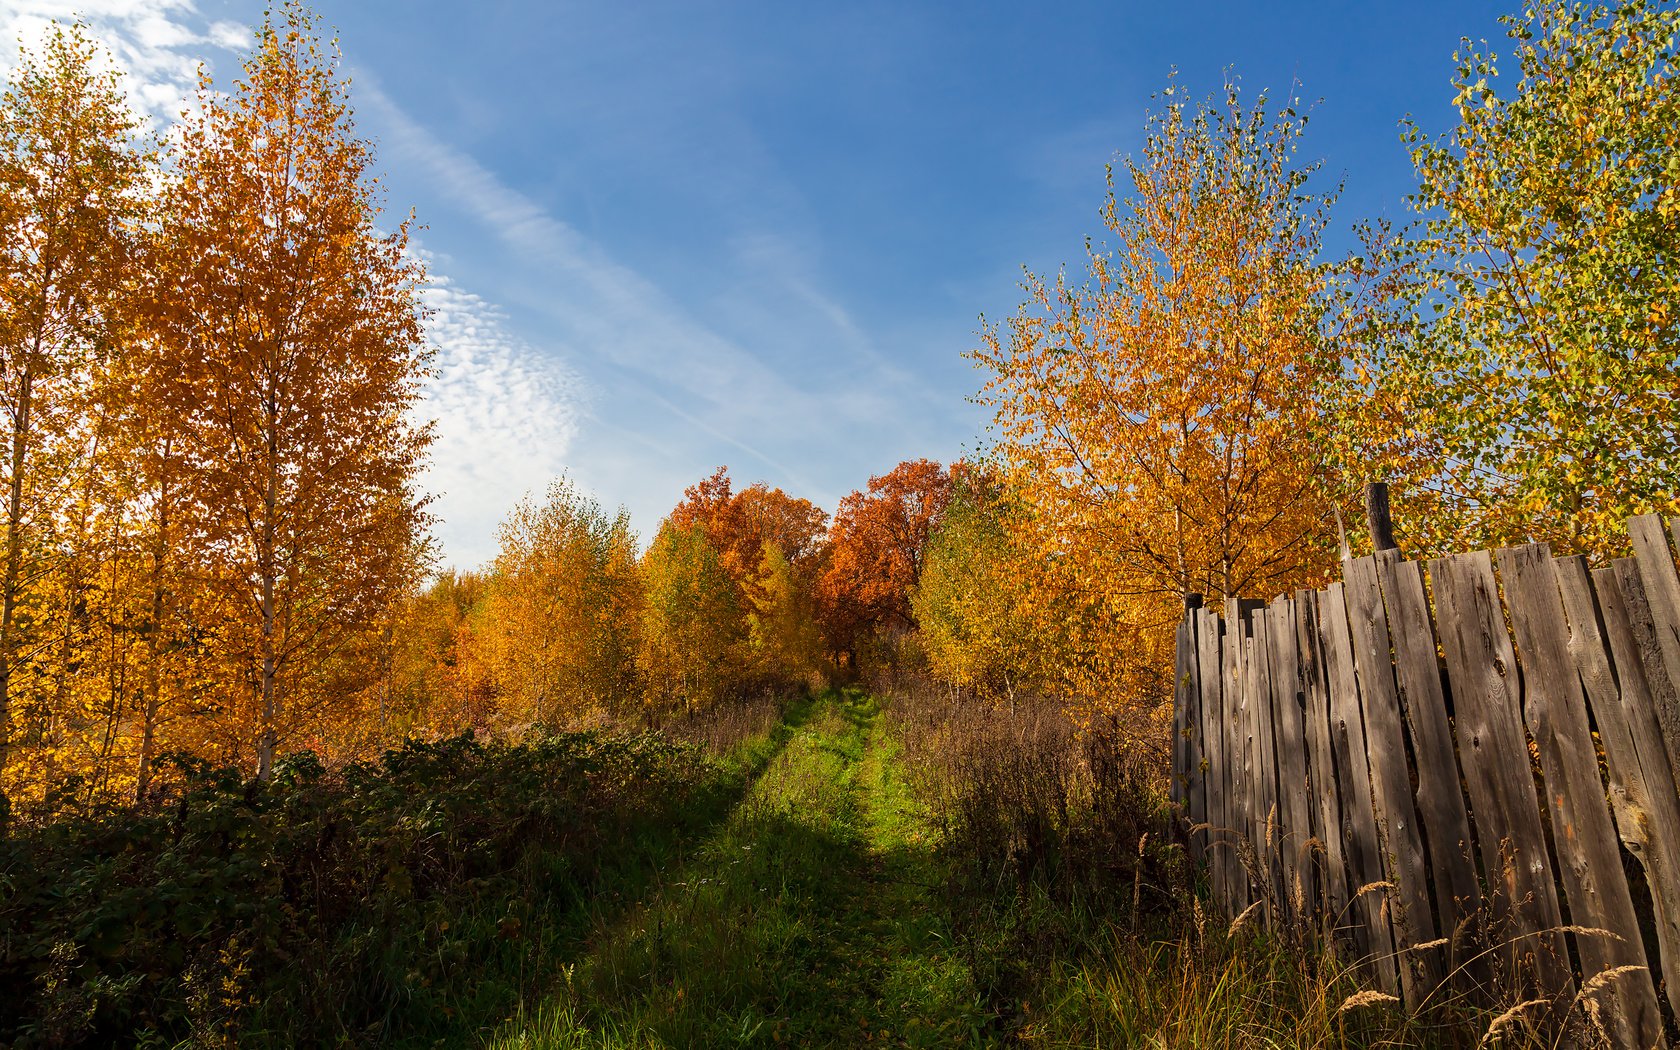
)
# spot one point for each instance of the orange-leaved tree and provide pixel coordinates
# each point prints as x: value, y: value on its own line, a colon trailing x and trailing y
x: 770, y: 546
x: 561, y: 613
x: 293, y: 343
x: 1154, y: 418
x: 70, y: 176
x: 877, y: 546
x: 739, y: 524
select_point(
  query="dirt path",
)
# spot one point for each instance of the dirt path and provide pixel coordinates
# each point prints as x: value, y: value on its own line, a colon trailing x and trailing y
x: 806, y: 920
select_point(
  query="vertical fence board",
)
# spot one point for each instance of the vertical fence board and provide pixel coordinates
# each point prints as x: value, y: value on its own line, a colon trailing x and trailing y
x: 1265, y: 771
x: 1236, y: 810
x: 1196, y: 720
x: 1589, y: 860
x: 1290, y: 735
x: 1482, y: 668
x: 1372, y: 937
x: 1662, y: 595
x: 1194, y: 793
x: 1440, y: 798
x: 1181, y: 706
x: 1642, y: 791
x: 1176, y: 788
x: 1329, y: 863
x: 1641, y: 627
x: 1208, y: 645
x: 1391, y: 780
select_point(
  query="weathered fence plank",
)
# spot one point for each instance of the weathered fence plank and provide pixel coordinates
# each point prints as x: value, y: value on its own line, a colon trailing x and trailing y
x: 1328, y: 864
x: 1588, y: 857
x: 1237, y: 749
x: 1190, y: 734
x: 1265, y: 768
x: 1373, y: 939
x: 1184, y: 688
x: 1483, y: 671
x: 1209, y: 644
x: 1391, y: 781
x: 1642, y: 790
x: 1289, y: 731
x: 1178, y: 785
x: 1196, y: 752
x: 1662, y: 595
x: 1440, y: 798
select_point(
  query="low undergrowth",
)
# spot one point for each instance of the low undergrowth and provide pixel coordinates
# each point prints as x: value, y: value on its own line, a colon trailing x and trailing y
x: 803, y: 921
x: 407, y: 901
x: 1077, y: 914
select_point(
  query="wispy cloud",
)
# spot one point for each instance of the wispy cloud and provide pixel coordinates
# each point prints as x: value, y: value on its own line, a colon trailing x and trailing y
x: 599, y: 306
x: 158, y: 44
x: 505, y: 415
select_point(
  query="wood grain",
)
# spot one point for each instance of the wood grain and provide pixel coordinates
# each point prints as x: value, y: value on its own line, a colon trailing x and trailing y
x: 1487, y: 699
x: 1373, y: 936
x: 1391, y: 780
x: 1588, y: 858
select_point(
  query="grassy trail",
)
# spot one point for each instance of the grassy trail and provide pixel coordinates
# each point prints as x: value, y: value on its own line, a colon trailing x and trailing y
x: 805, y: 920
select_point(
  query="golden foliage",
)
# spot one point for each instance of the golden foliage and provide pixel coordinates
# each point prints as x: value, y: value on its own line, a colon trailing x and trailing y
x: 560, y: 614
x: 1152, y: 421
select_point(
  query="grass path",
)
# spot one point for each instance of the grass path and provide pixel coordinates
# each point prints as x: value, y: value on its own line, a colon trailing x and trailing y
x: 806, y: 919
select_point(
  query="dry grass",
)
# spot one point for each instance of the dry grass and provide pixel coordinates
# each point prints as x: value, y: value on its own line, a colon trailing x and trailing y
x: 724, y: 727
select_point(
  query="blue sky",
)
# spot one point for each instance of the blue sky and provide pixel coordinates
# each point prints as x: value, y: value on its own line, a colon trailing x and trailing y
x: 669, y: 236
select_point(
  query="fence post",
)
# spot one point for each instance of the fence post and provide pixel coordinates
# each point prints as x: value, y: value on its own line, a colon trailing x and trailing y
x: 1377, y: 518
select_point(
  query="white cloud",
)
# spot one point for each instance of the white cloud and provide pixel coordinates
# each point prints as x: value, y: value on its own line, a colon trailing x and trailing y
x: 506, y: 416
x: 611, y: 310
x: 157, y: 44
x: 506, y: 413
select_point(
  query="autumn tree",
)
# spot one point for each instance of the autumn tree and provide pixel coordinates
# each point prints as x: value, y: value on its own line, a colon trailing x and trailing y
x: 975, y: 604
x: 1543, y: 363
x: 562, y: 609
x: 876, y: 550
x: 781, y: 625
x: 770, y: 547
x: 439, y: 680
x: 291, y: 332
x: 693, y: 623
x: 739, y: 524
x: 1154, y: 416
x: 70, y: 176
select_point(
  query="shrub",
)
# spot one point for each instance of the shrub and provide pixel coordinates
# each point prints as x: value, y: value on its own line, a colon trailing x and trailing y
x: 389, y: 901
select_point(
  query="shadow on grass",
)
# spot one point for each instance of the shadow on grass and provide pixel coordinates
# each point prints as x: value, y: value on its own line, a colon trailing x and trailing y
x: 513, y: 948
x: 800, y: 924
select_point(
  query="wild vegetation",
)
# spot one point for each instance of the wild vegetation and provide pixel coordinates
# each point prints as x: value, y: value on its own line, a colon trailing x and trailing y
x: 772, y: 776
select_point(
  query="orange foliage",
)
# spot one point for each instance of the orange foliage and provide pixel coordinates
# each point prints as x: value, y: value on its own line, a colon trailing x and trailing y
x: 876, y: 550
x: 291, y: 363
x: 739, y: 524
x: 1157, y: 422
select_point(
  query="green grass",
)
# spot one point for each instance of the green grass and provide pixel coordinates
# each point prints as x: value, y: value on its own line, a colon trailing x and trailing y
x: 794, y: 891
x: 806, y: 920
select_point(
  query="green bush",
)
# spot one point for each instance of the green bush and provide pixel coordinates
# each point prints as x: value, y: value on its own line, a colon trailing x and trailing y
x: 404, y: 900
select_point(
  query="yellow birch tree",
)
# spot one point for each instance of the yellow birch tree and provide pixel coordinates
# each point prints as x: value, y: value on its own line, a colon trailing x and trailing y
x: 292, y: 332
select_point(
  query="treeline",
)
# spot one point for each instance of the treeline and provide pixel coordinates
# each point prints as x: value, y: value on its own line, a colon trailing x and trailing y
x: 739, y: 593
x: 210, y: 354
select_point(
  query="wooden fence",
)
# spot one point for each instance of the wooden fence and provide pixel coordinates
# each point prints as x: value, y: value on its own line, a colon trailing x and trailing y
x: 1461, y: 775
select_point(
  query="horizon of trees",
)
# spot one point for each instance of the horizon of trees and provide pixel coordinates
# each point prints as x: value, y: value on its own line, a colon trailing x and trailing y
x: 209, y: 351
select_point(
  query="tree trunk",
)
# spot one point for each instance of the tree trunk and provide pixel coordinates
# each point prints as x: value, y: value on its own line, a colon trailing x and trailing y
x: 11, y: 583
x: 152, y: 702
x: 268, y: 569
